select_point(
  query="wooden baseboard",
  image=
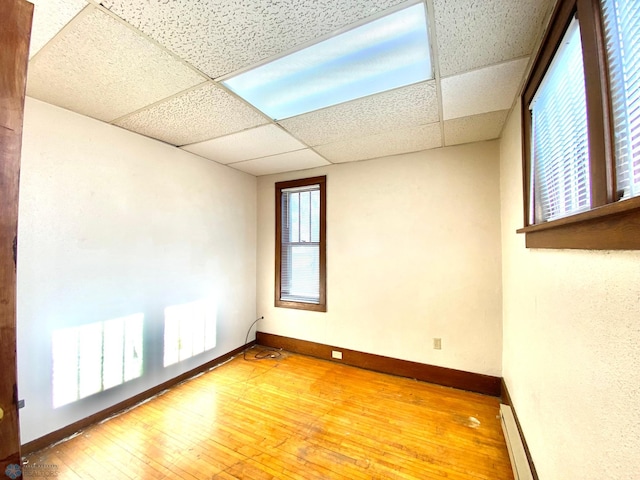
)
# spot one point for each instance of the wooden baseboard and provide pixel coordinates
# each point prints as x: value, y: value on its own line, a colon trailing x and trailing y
x: 474, y: 382
x: 506, y: 399
x: 61, y: 434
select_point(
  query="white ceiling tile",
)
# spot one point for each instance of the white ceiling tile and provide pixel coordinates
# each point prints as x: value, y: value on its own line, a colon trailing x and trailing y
x: 49, y: 16
x: 285, y: 162
x: 199, y: 114
x: 384, y: 144
x: 483, y: 90
x: 475, y: 33
x: 100, y: 68
x: 249, y: 144
x: 401, y: 108
x: 219, y: 37
x: 486, y: 126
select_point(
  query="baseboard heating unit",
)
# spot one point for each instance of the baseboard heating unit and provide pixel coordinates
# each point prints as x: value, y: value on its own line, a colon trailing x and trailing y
x: 517, y: 455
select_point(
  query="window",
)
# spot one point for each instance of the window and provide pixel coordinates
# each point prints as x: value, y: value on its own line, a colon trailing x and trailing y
x: 560, y: 149
x: 581, y: 129
x: 300, y: 244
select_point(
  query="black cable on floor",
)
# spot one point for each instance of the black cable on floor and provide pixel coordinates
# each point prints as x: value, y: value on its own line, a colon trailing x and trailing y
x: 261, y: 354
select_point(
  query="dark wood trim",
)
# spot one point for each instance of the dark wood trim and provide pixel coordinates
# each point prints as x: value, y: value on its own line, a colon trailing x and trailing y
x: 620, y: 232
x: 526, y: 121
x: 622, y: 207
x: 15, y: 34
x: 474, y: 382
x: 321, y: 306
x: 313, y: 307
x: 615, y: 226
x: 506, y: 399
x: 61, y: 434
x: 609, y: 159
x: 323, y: 243
x: 595, y: 68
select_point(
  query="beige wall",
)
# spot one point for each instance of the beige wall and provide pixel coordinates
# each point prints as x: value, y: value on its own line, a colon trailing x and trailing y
x: 114, y: 224
x: 571, y: 355
x: 413, y: 248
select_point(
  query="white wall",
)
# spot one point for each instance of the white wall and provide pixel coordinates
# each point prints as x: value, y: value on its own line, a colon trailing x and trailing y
x: 413, y: 252
x: 571, y: 357
x: 111, y: 224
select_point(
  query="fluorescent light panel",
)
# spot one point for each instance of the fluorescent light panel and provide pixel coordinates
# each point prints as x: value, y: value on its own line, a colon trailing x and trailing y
x: 390, y: 52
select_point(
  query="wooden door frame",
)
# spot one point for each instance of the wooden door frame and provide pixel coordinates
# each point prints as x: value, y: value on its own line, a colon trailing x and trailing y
x: 15, y: 33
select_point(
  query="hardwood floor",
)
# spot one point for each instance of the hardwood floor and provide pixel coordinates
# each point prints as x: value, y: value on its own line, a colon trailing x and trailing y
x: 292, y: 417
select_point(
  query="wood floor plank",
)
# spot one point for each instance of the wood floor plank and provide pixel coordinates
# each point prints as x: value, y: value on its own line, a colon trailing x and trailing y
x: 293, y: 418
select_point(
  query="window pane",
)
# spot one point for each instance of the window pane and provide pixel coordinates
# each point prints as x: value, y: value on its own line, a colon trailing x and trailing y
x: 315, y: 216
x: 622, y: 30
x: 305, y: 216
x: 560, y: 149
x: 302, y: 273
x: 294, y: 217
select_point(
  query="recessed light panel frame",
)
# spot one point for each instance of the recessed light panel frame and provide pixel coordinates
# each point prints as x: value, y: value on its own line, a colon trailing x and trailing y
x: 385, y: 53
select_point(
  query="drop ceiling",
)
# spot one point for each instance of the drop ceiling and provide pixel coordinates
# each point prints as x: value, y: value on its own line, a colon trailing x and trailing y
x: 154, y: 67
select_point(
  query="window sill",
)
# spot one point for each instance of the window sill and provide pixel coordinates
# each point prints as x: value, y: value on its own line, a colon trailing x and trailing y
x: 615, y: 226
x: 313, y: 307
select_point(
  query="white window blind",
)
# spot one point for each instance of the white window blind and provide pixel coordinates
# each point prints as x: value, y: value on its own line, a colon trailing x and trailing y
x: 300, y: 255
x: 622, y: 30
x: 560, y: 149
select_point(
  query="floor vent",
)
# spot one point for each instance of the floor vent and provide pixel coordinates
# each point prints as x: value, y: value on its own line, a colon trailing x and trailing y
x: 519, y: 461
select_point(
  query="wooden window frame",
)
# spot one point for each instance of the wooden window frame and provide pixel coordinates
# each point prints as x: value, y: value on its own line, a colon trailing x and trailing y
x: 321, y: 306
x: 610, y: 224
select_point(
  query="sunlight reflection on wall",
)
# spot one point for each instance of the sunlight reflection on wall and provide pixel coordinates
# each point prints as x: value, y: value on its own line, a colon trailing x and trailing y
x: 95, y: 357
x: 189, y: 329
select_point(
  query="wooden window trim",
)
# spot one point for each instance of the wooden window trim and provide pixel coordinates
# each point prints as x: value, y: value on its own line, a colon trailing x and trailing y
x: 615, y: 226
x: 609, y: 224
x: 279, y: 186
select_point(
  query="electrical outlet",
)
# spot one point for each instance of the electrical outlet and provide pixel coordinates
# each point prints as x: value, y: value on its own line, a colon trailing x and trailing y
x: 336, y: 354
x: 437, y: 344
